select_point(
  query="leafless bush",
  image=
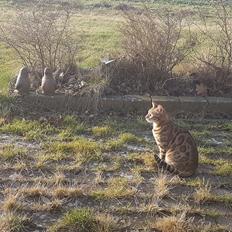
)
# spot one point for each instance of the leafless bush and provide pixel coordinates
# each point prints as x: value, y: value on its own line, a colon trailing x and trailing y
x: 155, y: 42
x: 216, y: 38
x: 41, y: 37
x: 64, y: 3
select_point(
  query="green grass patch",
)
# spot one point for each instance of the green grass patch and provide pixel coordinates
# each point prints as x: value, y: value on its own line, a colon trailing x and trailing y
x: 81, y: 149
x: 102, y: 131
x: 224, y: 169
x: 81, y: 220
x: 31, y: 130
x: 123, y: 138
x: 10, y: 152
x: 73, y: 126
x: 129, y: 138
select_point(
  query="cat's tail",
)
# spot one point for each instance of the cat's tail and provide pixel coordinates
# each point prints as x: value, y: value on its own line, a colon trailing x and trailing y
x: 164, y: 166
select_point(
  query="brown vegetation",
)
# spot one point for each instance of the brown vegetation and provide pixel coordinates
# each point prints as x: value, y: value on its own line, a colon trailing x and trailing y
x: 42, y: 37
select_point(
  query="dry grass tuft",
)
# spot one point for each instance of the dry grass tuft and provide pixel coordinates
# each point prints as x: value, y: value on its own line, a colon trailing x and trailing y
x: 118, y: 187
x: 14, y: 223
x: 162, y: 188
x: 175, y: 224
x: 10, y: 203
x: 34, y: 192
x: 203, y: 193
x: 62, y: 192
x: 47, y: 206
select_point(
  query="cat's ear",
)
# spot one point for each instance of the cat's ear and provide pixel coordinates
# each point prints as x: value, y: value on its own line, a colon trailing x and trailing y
x: 154, y: 105
x: 160, y: 108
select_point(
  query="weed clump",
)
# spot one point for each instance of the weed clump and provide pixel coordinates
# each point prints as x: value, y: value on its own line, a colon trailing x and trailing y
x: 81, y: 149
x: 174, y: 224
x: 102, y: 131
x: 10, y: 152
x: 124, y: 138
x: 31, y: 130
x: 82, y: 220
x: 117, y: 188
x: 15, y: 223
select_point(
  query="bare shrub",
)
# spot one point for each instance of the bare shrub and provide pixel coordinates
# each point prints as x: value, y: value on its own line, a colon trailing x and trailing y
x: 41, y: 37
x: 155, y: 43
x: 216, y: 38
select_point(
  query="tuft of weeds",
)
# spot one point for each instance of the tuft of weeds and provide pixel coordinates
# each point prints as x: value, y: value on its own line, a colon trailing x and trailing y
x: 174, y: 224
x: 10, y: 203
x: 82, y: 149
x: 34, y: 192
x: 31, y: 130
x: 124, y: 138
x: 48, y: 206
x: 73, y: 125
x: 118, y: 187
x: 102, y: 131
x: 203, y: 193
x: 146, y: 159
x: 14, y: 223
x: 62, y: 192
x: 114, y: 145
x: 59, y: 178
x: 162, y: 187
x: 195, y: 182
x: 226, y: 199
x: 66, y: 135
x: 224, y: 169
x: 10, y: 152
x: 69, y: 120
x: 82, y: 220
x: 129, y: 138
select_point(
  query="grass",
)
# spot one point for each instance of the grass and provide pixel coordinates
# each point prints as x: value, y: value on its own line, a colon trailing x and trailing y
x: 11, y: 203
x: 82, y: 220
x: 203, y: 193
x: 14, y: 223
x: 123, y: 139
x: 224, y: 169
x: 31, y: 130
x: 73, y: 126
x: 82, y: 150
x: 102, y: 131
x: 145, y: 159
x: 64, y: 191
x: 118, y: 187
x: 10, y: 152
x: 54, y: 176
x: 174, y: 224
x: 162, y: 188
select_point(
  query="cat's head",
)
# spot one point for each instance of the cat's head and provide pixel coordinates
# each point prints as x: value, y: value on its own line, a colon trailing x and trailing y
x: 156, y: 114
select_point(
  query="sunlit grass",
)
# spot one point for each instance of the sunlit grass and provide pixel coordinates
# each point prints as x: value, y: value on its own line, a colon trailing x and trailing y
x: 83, y: 220
x: 31, y: 130
x: 10, y: 152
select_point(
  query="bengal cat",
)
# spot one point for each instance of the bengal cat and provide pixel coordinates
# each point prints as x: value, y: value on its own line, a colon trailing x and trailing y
x: 178, y: 150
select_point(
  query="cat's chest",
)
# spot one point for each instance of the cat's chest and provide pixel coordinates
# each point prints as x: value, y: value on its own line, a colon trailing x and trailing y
x: 162, y: 134
x: 159, y: 136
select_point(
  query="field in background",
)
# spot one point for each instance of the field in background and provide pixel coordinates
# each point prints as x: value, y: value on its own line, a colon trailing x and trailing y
x: 98, y: 22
